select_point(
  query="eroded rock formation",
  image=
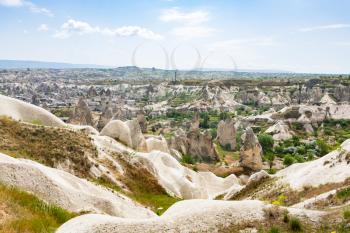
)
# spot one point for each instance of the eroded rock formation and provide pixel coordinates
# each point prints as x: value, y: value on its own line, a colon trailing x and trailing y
x: 227, y: 134
x: 251, y: 151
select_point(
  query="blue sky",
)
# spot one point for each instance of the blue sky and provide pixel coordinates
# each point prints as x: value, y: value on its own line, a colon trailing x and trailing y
x: 292, y: 35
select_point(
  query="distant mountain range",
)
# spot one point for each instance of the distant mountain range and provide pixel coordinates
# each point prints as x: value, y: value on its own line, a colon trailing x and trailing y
x: 25, y: 64
x: 21, y: 64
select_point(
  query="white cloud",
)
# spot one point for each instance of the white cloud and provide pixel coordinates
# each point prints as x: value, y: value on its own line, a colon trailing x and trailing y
x: 325, y: 27
x: 191, y: 23
x: 190, y: 18
x: 43, y: 28
x: 189, y: 32
x: 79, y: 27
x: 39, y: 10
x: 31, y: 6
x: 11, y: 3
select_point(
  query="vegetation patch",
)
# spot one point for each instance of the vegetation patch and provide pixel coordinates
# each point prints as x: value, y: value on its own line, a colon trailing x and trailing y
x: 47, y: 145
x: 144, y: 187
x: 23, y: 212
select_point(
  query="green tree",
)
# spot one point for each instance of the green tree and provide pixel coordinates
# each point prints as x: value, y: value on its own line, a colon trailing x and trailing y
x: 205, y: 120
x: 270, y: 157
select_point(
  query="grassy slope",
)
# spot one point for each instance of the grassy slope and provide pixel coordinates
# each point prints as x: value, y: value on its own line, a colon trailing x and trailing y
x: 46, y: 145
x: 51, y: 145
x: 144, y: 187
x: 23, y: 212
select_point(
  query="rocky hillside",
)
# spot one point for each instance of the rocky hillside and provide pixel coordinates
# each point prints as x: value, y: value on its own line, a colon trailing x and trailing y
x: 121, y: 179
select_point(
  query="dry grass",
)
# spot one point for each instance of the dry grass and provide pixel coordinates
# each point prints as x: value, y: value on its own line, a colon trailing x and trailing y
x: 142, y: 185
x: 23, y: 212
x: 47, y: 145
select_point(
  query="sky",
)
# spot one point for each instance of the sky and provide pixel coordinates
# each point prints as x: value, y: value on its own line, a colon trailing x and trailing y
x: 311, y: 36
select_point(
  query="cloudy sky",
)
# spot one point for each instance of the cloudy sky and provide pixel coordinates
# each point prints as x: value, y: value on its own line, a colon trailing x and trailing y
x: 291, y: 35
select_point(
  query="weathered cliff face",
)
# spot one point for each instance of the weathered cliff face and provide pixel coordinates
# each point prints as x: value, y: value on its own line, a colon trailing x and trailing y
x: 81, y: 114
x: 280, y: 131
x: 201, y: 146
x: 92, y: 92
x: 122, y: 114
x: 129, y: 133
x: 142, y: 121
x: 179, y: 142
x: 226, y: 134
x: 105, y: 117
x: 197, y: 144
x: 342, y: 93
x: 195, y: 121
x: 251, y: 151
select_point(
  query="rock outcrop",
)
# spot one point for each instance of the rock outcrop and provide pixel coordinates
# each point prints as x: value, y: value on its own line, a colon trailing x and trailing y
x: 208, y: 216
x: 183, y: 182
x: 92, y: 92
x: 81, y: 114
x: 157, y: 143
x: 327, y: 100
x: 195, y: 143
x: 105, y: 117
x: 128, y: 132
x: 143, y: 122
x: 280, y: 131
x: 21, y: 111
x: 251, y: 152
x: 226, y: 134
x: 195, y: 121
x: 65, y: 190
x: 179, y: 142
x: 201, y: 146
x: 122, y: 114
x: 331, y: 168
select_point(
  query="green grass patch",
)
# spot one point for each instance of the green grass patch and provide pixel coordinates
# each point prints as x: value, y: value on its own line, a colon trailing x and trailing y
x: 27, y: 213
x: 223, y: 152
x: 144, y: 188
x: 343, y: 194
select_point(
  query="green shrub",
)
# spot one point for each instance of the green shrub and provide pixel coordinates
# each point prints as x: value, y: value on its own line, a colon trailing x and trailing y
x: 323, y: 147
x: 298, y: 126
x: 205, y: 120
x: 223, y: 115
x: 239, y: 140
x: 288, y: 160
x: 301, y: 150
x: 299, y: 158
x: 346, y: 214
x: 266, y: 141
x: 343, y: 194
x: 274, y: 230
x: 295, y: 224
x: 296, y: 141
x: 188, y: 159
x: 271, y: 171
x: 214, y: 133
